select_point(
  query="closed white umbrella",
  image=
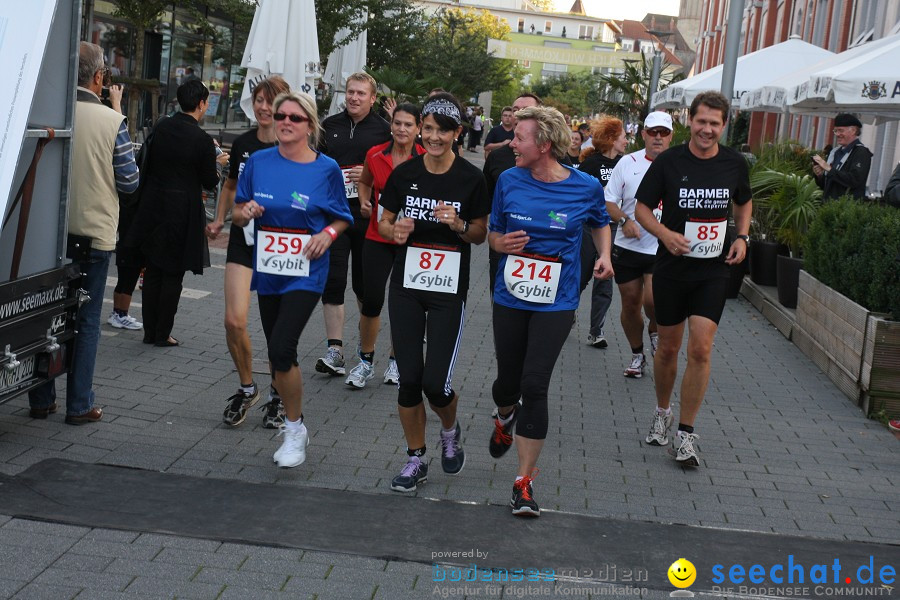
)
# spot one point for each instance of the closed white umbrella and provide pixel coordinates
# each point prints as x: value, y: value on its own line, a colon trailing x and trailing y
x: 283, y: 41
x: 344, y: 61
x: 753, y: 71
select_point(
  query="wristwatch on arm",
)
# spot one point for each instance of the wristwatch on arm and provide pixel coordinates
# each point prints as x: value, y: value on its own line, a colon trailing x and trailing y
x: 622, y: 221
x: 746, y: 239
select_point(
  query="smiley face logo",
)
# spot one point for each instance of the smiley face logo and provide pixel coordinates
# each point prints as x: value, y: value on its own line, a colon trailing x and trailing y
x: 682, y: 573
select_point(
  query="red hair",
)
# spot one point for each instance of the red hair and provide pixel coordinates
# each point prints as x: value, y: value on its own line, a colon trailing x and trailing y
x: 604, y: 134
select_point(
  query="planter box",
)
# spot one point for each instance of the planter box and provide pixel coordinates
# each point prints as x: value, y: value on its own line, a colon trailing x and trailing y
x: 880, y: 377
x: 857, y: 349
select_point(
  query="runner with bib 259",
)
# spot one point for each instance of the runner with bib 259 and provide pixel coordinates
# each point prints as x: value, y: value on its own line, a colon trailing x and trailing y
x: 539, y: 210
x: 435, y: 207
x: 698, y: 183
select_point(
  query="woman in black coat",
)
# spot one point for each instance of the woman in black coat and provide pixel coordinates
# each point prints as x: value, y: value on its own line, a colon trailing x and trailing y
x: 169, y: 228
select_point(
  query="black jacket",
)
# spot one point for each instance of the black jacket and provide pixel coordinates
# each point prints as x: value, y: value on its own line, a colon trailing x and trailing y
x: 169, y: 227
x: 849, y: 178
x: 892, y: 191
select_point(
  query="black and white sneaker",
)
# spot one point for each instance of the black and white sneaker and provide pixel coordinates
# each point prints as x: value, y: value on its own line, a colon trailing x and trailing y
x: 332, y: 363
x: 238, y: 405
x: 502, y: 437
x: 686, y: 454
x: 659, y: 429
x: 522, y: 501
x: 414, y: 472
x: 274, y: 409
x: 453, y: 457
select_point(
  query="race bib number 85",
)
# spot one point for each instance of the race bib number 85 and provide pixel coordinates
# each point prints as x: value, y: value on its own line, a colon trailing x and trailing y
x: 281, y: 253
x: 707, y: 239
x: 532, y: 279
x: 431, y: 270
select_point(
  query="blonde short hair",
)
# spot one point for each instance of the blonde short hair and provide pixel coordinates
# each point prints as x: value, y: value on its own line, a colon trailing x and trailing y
x: 364, y: 78
x: 551, y: 127
x: 308, y: 105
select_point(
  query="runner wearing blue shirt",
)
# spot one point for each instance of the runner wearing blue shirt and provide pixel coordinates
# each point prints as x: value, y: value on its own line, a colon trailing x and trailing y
x: 297, y: 199
x: 536, y: 225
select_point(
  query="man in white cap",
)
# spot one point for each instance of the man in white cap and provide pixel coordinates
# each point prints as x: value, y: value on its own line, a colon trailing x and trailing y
x: 634, y: 249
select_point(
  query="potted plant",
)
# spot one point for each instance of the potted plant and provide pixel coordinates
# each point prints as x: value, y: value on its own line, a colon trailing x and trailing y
x: 765, y: 247
x: 790, y: 202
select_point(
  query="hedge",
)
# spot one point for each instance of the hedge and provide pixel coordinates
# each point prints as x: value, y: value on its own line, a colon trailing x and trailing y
x: 854, y: 248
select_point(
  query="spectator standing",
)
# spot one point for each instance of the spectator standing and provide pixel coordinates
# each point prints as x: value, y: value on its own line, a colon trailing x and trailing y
x: 847, y: 167
x: 102, y: 165
x: 171, y: 222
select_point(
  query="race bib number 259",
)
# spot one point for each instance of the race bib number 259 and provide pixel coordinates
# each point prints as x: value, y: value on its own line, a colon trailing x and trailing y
x: 281, y: 253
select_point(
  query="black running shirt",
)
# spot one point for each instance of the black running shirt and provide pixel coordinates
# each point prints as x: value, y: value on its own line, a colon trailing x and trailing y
x: 696, y: 195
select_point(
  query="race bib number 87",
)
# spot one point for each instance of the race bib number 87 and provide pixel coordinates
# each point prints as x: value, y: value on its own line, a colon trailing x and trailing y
x: 431, y: 270
x: 532, y: 279
x: 707, y: 239
x: 282, y: 253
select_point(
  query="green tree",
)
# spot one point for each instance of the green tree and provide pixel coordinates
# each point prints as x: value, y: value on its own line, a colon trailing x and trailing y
x: 453, y: 51
x: 571, y: 93
x: 625, y: 95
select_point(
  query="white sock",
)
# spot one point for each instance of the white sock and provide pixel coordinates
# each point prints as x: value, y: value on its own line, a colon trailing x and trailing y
x: 667, y: 411
x: 505, y: 420
x: 294, y: 426
x: 451, y: 430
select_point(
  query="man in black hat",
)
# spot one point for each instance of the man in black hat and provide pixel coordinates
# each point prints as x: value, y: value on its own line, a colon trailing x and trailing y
x: 847, y: 167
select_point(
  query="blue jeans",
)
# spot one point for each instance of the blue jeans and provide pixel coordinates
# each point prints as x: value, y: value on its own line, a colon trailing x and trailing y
x: 80, y: 379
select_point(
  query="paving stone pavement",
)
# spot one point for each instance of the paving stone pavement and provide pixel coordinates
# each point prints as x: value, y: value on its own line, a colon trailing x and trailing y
x: 782, y: 451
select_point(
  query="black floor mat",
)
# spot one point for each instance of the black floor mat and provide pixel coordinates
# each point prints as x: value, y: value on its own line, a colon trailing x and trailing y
x: 395, y: 527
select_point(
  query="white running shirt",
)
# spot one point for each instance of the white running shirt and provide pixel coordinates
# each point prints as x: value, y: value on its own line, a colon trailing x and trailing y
x: 621, y: 188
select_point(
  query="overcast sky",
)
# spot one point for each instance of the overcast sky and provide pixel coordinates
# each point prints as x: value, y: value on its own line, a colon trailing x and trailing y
x: 623, y: 9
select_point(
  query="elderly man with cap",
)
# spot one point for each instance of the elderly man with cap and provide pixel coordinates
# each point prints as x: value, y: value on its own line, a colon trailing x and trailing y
x: 847, y: 167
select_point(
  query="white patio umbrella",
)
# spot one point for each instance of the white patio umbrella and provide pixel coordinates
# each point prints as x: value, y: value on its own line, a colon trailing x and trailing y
x: 861, y: 80
x: 753, y: 71
x: 283, y: 41
x: 344, y: 61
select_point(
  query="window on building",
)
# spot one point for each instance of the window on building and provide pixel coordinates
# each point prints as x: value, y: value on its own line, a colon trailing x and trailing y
x: 553, y: 69
x: 549, y: 44
x: 521, y: 27
x: 548, y: 26
x: 585, y: 32
x: 525, y: 63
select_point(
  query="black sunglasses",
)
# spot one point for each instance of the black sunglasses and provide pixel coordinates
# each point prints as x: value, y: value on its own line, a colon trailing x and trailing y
x: 657, y: 132
x: 294, y: 118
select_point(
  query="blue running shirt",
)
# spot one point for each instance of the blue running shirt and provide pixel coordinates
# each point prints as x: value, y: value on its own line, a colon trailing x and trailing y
x: 552, y: 214
x: 299, y: 198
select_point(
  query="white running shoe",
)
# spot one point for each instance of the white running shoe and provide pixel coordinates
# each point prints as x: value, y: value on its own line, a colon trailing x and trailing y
x: 292, y: 452
x: 654, y: 343
x: 659, y: 429
x: 636, y: 368
x: 686, y: 454
x: 392, y: 373
x: 332, y: 363
x: 360, y: 374
x: 124, y: 322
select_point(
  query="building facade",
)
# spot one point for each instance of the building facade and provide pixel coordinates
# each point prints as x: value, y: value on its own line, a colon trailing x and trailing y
x: 835, y: 25
x: 174, y: 51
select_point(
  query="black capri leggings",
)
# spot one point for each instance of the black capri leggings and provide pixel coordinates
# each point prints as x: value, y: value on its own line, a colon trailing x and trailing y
x: 348, y: 244
x: 444, y: 314
x: 527, y: 345
x: 377, y: 261
x: 283, y: 318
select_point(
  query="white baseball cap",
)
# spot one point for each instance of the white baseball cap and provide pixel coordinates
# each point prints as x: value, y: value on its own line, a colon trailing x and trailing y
x: 658, y: 119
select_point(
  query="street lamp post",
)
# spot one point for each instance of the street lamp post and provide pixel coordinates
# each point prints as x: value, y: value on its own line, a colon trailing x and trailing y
x: 657, y: 65
x: 732, y: 46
